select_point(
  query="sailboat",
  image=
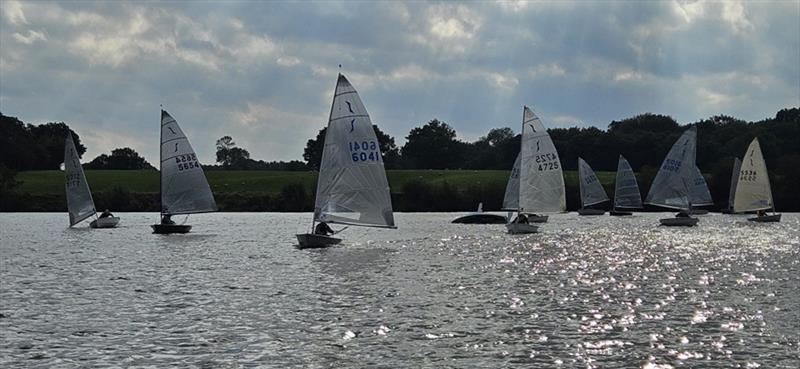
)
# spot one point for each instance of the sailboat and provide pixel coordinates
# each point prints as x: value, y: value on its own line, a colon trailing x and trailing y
x: 753, y: 192
x: 352, y: 188
x: 699, y: 193
x: 183, y: 184
x: 626, y: 190
x: 592, y: 192
x: 80, y: 204
x: 737, y: 166
x: 541, y: 179
x: 670, y: 188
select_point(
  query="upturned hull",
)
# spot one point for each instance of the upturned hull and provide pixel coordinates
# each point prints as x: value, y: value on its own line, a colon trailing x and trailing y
x: 481, y: 219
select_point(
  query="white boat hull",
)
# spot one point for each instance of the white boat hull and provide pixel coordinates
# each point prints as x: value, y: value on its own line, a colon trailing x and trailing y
x: 521, y: 228
x: 310, y: 241
x: 108, y: 222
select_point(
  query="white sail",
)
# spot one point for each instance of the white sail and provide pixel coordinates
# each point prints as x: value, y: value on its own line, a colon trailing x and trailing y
x: 352, y: 186
x: 670, y: 188
x: 184, y: 188
x: 698, y: 190
x: 592, y: 191
x: 752, y: 190
x: 511, y: 198
x: 737, y: 166
x: 79, y: 198
x: 541, y: 177
x: 626, y: 192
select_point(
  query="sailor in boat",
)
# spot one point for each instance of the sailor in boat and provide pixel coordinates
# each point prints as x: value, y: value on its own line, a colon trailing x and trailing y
x: 521, y: 219
x: 761, y: 213
x: 323, y: 229
x: 167, y: 219
x: 682, y: 214
x: 106, y: 214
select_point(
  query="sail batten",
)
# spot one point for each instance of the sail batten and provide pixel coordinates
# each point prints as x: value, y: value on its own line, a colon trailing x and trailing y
x: 80, y: 204
x: 352, y: 187
x: 626, y: 188
x: 753, y: 190
x: 184, y: 187
x: 592, y: 192
x: 541, y: 178
x: 670, y: 188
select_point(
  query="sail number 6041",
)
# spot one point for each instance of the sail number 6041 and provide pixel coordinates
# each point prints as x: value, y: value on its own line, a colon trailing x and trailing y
x: 364, y: 151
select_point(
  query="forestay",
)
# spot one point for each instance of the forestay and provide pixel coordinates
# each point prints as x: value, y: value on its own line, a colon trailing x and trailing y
x: 592, y: 191
x: 752, y: 190
x: 699, y: 192
x: 352, y: 186
x: 670, y: 187
x: 626, y: 192
x: 79, y: 198
x: 737, y: 166
x: 184, y: 188
x: 511, y: 198
x: 541, y: 177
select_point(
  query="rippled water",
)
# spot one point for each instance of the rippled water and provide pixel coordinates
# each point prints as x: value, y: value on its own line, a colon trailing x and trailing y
x: 586, y: 292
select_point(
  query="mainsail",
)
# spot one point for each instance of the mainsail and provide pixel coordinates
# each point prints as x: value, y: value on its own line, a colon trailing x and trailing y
x: 541, y: 177
x: 352, y: 186
x: 184, y: 188
x: 670, y: 188
x: 626, y: 192
x: 698, y: 191
x: 737, y: 166
x: 511, y: 198
x: 753, y: 191
x: 592, y: 191
x: 79, y: 198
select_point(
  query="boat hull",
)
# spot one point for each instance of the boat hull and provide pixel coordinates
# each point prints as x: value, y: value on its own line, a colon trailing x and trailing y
x: 679, y: 222
x: 521, y: 228
x: 315, y: 241
x: 533, y: 218
x: 108, y: 222
x: 588, y: 211
x: 171, y: 228
x: 481, y: 219
x: 766, y: 218
x: 618, y: 213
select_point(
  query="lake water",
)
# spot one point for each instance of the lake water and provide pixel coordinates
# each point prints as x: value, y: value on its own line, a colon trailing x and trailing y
x: 585, y: 292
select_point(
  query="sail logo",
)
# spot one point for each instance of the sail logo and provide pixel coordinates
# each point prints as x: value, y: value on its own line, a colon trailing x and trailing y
x: 170, y: 129
x: 352, y: 125
x: 350, y: 107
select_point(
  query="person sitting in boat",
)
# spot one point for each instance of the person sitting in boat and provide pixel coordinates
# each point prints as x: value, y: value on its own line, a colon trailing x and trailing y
x: 761, y: 213
x: 323, y: 229
x: 106, y: 214
x: 682, y: 214
x: 167, y: 219
x: 522, y: 219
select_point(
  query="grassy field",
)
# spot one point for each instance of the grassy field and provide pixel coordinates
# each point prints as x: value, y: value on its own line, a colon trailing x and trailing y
x: 267, y: 182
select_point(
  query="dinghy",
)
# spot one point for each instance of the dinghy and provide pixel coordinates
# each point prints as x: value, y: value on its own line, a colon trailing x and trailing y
x: 699, y: 193
x: 626, y: 190
x: 753, y: 192
x: 352, y: 188
x: 592, y: 192
x: 80, y: 204
x: 670, y: 188
x: 479, y: 217
x: 737, y: 165
x: 511, y: 196
x: 541, y: 180
x: 183, y: 184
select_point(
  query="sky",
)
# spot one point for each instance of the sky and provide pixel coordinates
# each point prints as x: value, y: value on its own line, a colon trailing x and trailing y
x: 264, y: 72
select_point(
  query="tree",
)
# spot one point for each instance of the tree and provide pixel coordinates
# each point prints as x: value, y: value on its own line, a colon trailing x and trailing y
x: 120, y: 159
x: 433, y: 146
x: 312, y: 154
x: 230, y: 156
x: 34, y: 147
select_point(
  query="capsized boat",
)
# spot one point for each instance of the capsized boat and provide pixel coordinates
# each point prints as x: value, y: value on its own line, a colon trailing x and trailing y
x: 480, y: 217
x: 737, y: 165
x: 80, y: 204
x: 670, y: 188
x: 626, y: 190
x: 592, y: 192
x: 352, y: 188
x: 183, y: 184
x: 753, y: 191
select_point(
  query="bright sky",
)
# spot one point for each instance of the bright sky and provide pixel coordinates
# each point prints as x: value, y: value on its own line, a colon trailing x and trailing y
x: 264, y: 72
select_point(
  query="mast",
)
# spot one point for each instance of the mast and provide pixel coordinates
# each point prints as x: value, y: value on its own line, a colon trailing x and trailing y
x: 160, y: 163
x: 521, y: 142
x: 327, y: 127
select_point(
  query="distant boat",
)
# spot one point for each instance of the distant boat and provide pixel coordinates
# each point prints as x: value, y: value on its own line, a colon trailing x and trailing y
x: 511, y: 196
x: 183, y: 184
x: 626, y: 189
x: 352, y: 188
x: 737, y: 165
x: 480, y: 217
x: 592, y: 192
x: 753, y: 192
x: 80, y: 204
x: 670, y: 188
x: 541, y: 179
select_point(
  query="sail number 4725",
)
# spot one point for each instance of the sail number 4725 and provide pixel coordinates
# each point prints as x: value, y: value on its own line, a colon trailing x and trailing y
x: 547, y: 161
x: 364, y: 151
